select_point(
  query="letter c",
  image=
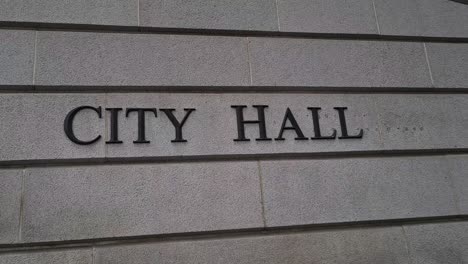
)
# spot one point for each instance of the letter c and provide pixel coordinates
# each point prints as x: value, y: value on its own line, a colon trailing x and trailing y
x: 68, y: 124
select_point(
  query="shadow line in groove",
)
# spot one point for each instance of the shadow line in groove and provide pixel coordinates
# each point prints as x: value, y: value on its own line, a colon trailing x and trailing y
x: 225, y: 234
x: 41, y: 26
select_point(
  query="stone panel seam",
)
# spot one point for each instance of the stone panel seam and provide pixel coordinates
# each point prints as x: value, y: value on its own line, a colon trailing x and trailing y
x: 407, y: 246
x: 428, y: 64
x: 223, y: 234
x: 262, y: 196
x: 277, y: 14
x: 21, y: 209
x: 75, y: 89
x: 93, y: 255
x: 249, y: 61
x: 105, y: 29
x: 230, y: 158
x: 376, y: 18
x: 138, y: 12
x: 34, y: 59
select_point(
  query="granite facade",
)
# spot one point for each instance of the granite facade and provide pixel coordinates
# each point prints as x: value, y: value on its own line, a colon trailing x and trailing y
x: 247, y: 131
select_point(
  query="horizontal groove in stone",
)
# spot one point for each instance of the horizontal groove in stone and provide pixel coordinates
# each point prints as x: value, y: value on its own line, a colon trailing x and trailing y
x: 224, y: 234
x: 220, y: 32
x: 226, y: 89
x: 229, y: 157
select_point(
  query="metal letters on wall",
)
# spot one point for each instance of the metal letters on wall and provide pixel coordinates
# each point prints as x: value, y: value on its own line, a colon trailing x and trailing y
x: 289, y: 123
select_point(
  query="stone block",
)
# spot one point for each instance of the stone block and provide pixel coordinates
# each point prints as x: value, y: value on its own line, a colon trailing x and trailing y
x: 101, y: 12
x: 210, y: 14
x: 356, y: 189
x: 10, y: 198
x: 430, y: 18
x: 444, y: 243
x: 33, y: 126
x: 327, y: 16
x: 97, y: 59
x: 365, y: 246
x: 448, y: 64
x: 337, y: 63
x: 16, y: 57
x: 69, y: 203
x: 48, y: 257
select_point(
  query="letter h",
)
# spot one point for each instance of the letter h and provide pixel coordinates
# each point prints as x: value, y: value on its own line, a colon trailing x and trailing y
x: 241, y: 122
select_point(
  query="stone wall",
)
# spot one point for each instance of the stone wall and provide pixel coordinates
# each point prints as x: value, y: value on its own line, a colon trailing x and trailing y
x: 398, y: 194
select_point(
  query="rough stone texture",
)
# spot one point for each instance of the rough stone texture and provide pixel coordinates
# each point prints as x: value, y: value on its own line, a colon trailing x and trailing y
x: 16, y: 57
x: 324, y: 191
x: 327, y: 16
x: 48, y: 257
x: 445, y: 243
x: 313, y: 62
x: 10, y: 196
x: 459, y: 171
x: 389, y: 122
x: 110, y: 201
x: 449, y: 63
x: 434, y: 18
x: 138, y: 59
x: 106, y: 12
x: 32, y: 126
x: 365, y: 246
x: 210, y: 14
